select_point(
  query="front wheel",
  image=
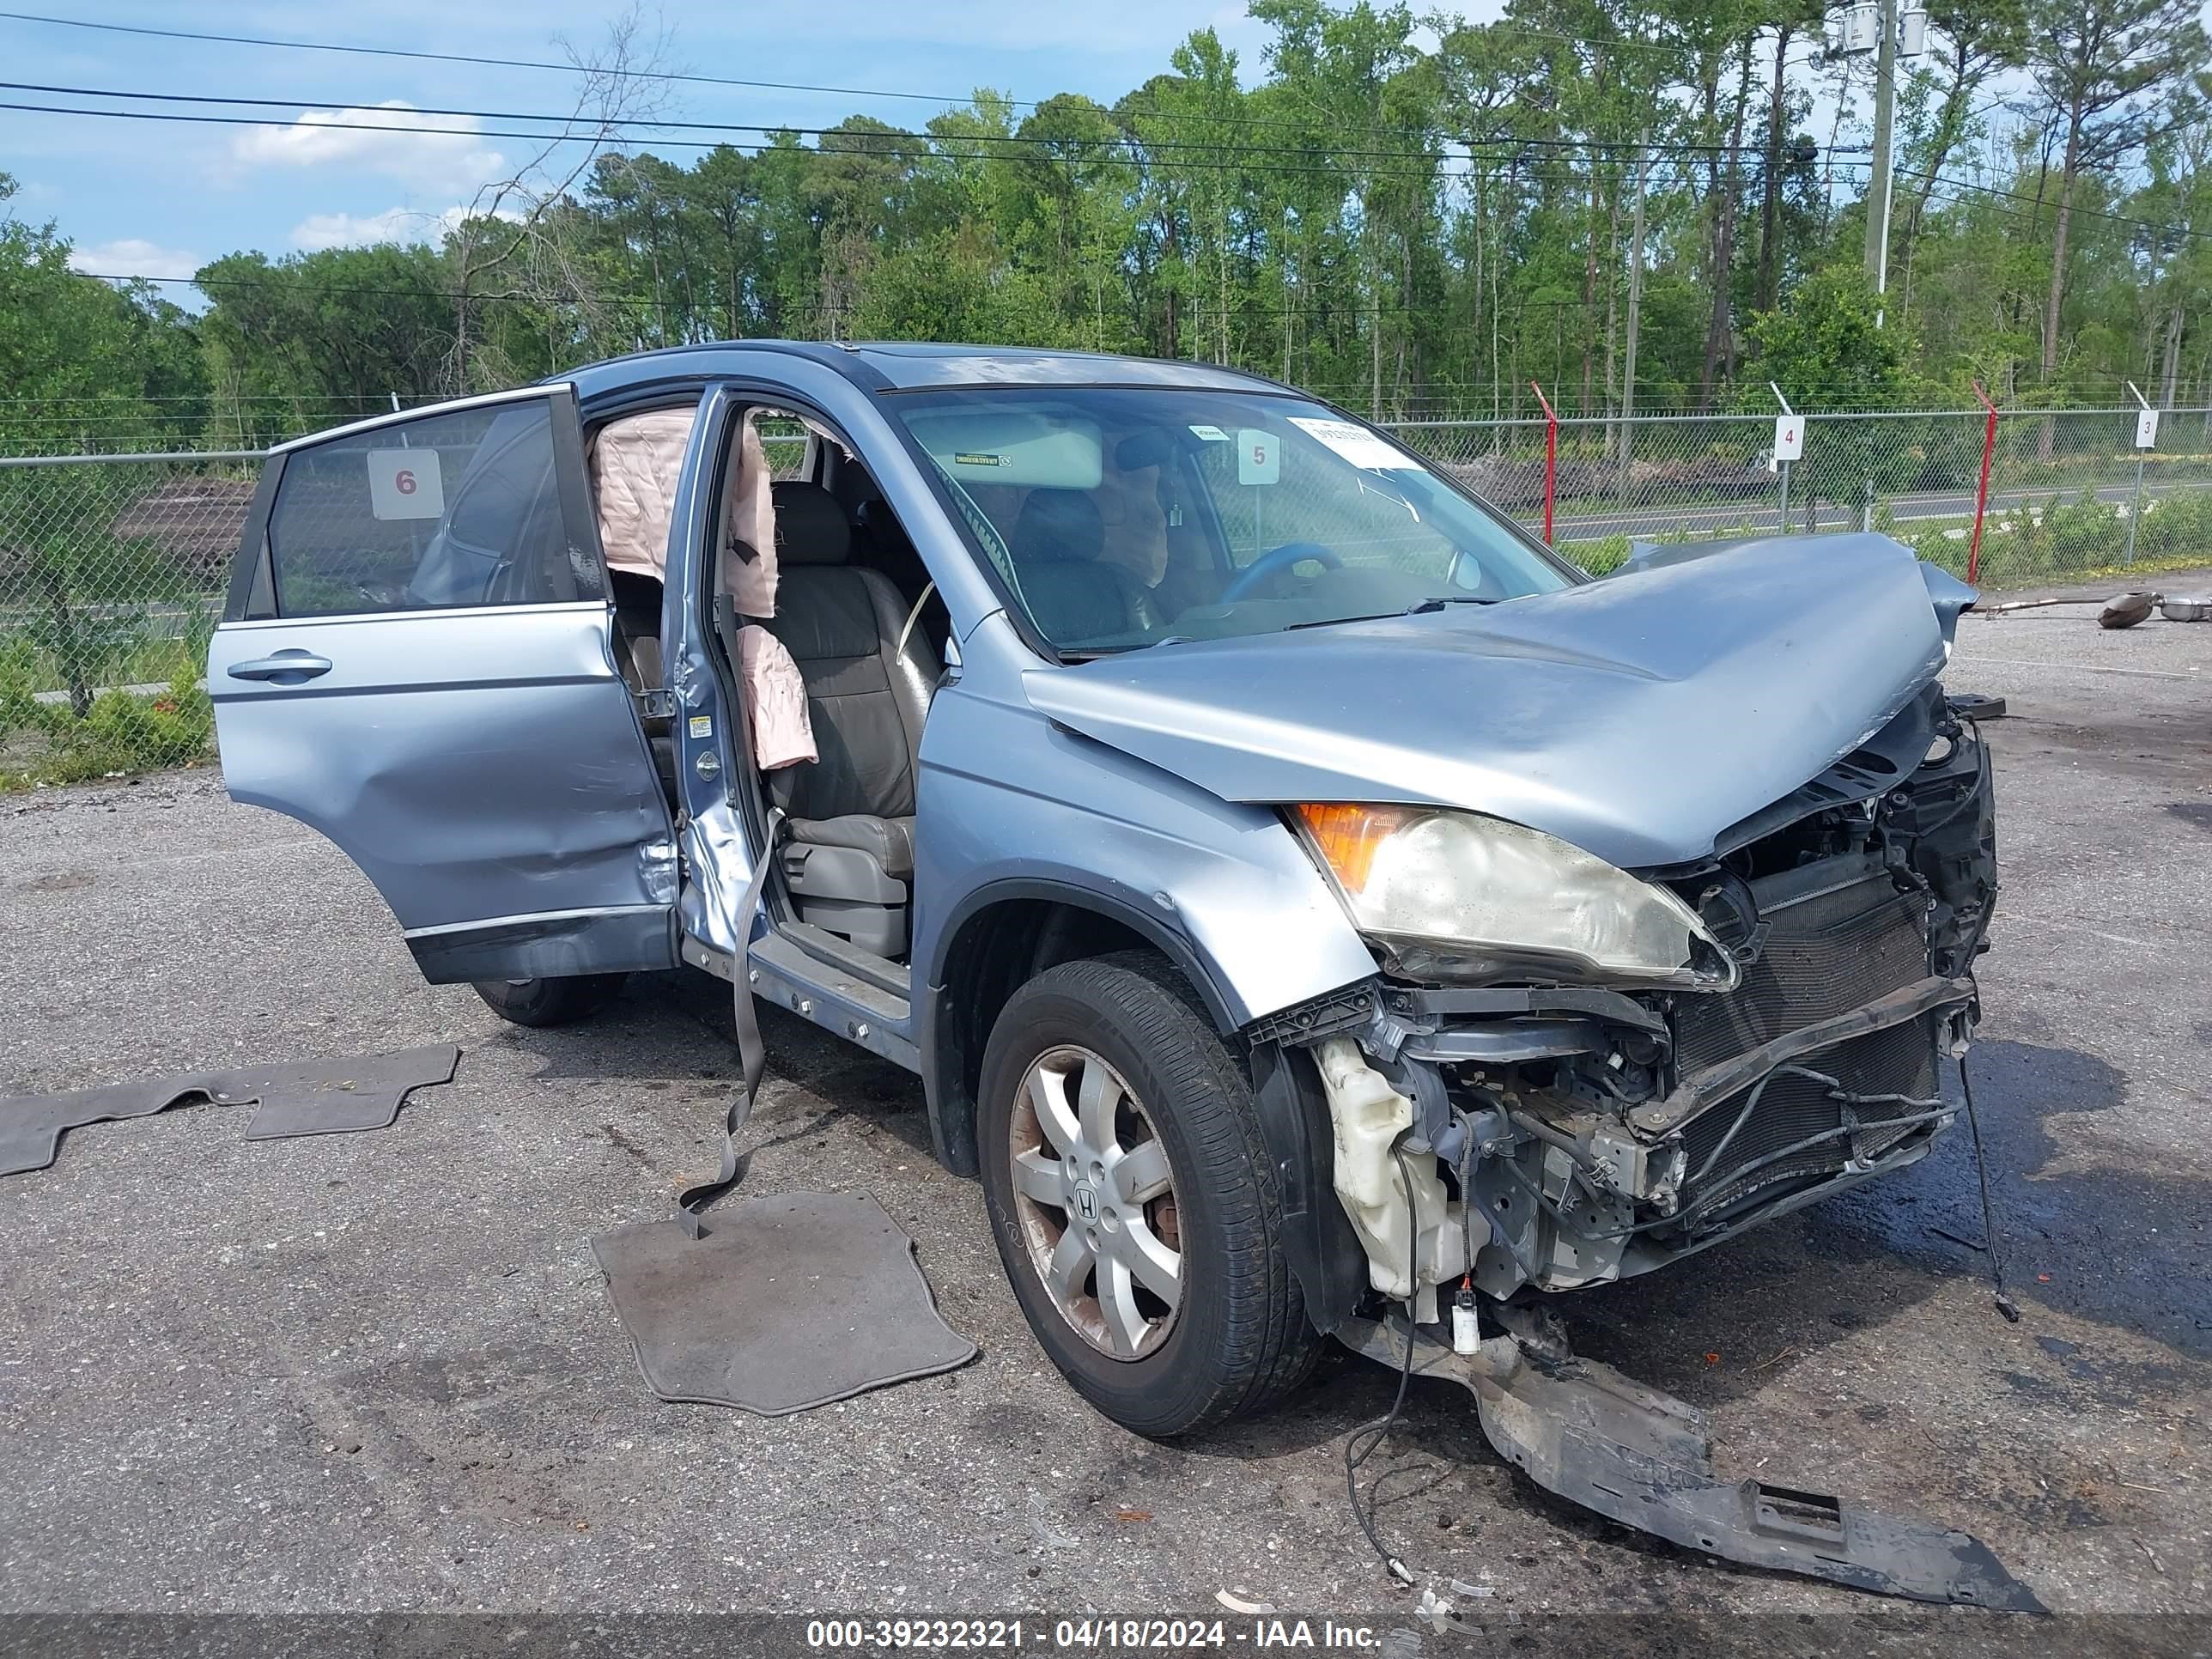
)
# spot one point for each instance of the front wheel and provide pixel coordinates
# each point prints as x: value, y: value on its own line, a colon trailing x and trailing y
x: 1131, y: 1199
x: 550, y: 1001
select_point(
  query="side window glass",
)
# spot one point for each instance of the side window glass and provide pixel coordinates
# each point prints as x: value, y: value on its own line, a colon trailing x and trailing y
x: 788, y: 445
x: 454, y: 509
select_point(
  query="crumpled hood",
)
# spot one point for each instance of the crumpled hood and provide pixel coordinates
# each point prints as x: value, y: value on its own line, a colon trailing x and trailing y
x: 1637, y: 717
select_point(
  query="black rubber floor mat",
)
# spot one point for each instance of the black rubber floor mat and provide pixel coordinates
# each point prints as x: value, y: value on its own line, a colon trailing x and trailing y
x: 338, y: 1097
x: 782, y: 1304
x: 316, y: 1097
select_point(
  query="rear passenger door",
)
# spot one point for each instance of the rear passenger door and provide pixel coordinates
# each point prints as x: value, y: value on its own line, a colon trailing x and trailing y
x: 415, y: 660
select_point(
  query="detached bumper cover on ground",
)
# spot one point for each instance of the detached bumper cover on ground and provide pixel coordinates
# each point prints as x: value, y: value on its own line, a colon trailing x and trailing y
x: 1582, y: 1429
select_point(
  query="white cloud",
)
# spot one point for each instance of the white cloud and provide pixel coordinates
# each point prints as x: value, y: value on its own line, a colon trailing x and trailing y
x: 318, y: 231
x: 403, y: 224
x: 133, y: 256
x: 439, y: 155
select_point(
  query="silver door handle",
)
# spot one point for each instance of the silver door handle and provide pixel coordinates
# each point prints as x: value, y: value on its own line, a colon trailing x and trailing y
x: 289, y: 668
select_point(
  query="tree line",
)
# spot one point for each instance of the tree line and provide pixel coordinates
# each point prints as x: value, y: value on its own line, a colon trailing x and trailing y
x: 1638, y: 204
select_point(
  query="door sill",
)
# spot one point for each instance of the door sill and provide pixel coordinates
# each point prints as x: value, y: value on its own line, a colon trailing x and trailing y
x: 790, y: 976
x: 848, y: 957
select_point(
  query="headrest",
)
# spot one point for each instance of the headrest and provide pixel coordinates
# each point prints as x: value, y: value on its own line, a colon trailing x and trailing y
x: 810, y: 525
x: 1058, y: 527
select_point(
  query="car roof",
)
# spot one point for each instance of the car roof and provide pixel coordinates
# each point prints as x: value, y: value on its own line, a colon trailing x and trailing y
x: 899, y: 365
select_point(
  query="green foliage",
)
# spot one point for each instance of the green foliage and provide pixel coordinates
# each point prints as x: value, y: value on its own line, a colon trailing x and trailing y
x: 316, y: 339
x: 2058, y: 537
x: 1411, y: 215
x: 79, y: 358
x: 1824, y: 346
x: 121, y: 733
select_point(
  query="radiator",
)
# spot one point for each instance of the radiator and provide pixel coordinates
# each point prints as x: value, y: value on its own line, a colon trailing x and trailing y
x: 1826, y: 954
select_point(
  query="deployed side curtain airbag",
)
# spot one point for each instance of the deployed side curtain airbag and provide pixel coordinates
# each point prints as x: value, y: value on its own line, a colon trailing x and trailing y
x: 636, y: 464
x: 775, y: 691
x: 749, y: 527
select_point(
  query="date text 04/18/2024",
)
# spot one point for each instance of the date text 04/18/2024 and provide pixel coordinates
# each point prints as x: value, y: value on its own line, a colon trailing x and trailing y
x: 1087, y: 1635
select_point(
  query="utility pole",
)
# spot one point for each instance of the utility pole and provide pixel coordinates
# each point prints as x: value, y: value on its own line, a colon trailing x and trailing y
x: 1875, y: 26
x: 1885, y: 100
x: 1635, y: 297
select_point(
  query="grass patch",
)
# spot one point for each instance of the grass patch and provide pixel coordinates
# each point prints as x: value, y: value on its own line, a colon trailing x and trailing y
x: 2079, y: 540
x: 121, y: 733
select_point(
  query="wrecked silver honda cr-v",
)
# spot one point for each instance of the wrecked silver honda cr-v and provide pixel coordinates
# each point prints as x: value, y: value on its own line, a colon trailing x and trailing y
x: 1300, y: 892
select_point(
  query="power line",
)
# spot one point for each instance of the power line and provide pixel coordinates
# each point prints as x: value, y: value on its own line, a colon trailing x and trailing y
x: 888, y: 153
x: 874, y: 143
x: 2039, y: 203
x: 1677, y: 50
x: 277, y: 277
x: 668, y: 76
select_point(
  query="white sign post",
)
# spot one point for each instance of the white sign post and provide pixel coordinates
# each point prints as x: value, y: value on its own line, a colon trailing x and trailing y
x: 1788, y: 445
x: 2146, y: 439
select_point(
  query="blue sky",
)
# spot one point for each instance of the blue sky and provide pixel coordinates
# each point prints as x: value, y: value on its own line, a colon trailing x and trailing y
x: 157, y: 199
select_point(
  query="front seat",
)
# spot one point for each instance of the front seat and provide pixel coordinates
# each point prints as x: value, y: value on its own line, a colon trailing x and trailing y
x: 851, y: 811
x: 1072, y: 593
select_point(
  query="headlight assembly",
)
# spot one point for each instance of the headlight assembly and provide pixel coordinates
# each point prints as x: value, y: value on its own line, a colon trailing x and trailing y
x: 1457, y: 895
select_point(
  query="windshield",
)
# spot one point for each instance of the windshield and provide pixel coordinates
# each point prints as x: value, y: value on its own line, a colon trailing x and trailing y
x: 1124, y: 517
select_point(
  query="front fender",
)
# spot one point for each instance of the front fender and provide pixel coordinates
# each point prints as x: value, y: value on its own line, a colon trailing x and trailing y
x: 1224, y: 887
x: 1013, y: 808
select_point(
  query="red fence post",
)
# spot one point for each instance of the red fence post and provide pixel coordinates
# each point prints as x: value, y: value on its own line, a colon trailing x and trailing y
x: 1982, y: 494
x: 1551, y: 458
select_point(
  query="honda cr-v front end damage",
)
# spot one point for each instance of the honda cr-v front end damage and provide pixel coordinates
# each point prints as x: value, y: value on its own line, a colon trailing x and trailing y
x: 1730, y: 1040
x: 1744, y: 1035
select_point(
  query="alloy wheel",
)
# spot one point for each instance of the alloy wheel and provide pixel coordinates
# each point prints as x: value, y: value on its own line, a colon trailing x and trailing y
x: 1094, y: 1197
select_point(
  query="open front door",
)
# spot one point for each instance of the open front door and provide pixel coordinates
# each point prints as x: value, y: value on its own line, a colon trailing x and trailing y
x: 415, y: 660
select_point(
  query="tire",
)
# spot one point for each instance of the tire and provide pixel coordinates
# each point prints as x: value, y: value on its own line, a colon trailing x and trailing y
x: 1236, y: 1339
x: 550, y: 1001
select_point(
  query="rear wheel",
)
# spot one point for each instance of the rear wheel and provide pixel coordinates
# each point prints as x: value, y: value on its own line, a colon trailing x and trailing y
x: 550, y: 1001
x: 1131, y: 1202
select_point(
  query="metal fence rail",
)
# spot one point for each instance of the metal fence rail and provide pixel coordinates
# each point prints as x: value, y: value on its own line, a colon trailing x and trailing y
x: 112, y: 573
x: 112, y: 567
x: 2062, y: 496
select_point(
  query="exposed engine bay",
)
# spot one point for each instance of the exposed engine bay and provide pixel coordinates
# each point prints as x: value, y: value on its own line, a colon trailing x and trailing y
x: 1500, y: 1138
x: 1554, y: 1136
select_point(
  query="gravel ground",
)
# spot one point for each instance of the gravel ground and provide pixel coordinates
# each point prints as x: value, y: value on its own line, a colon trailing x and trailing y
x: 379, y: 1371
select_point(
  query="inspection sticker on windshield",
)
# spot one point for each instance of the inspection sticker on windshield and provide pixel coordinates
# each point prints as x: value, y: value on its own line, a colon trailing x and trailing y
x: 1212, y: 434
x: 1356, y: 444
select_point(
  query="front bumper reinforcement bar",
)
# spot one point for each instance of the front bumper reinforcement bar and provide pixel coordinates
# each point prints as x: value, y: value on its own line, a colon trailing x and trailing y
x: 1583, y: 1431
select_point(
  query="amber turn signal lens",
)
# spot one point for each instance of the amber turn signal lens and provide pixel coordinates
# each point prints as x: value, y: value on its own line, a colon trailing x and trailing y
x: 1347, y: 835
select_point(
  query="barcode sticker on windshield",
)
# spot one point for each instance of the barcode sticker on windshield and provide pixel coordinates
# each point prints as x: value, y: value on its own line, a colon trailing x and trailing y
x: 1356, y: 444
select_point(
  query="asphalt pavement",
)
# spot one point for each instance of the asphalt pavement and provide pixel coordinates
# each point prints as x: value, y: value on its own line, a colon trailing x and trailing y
x: 379, y: 1371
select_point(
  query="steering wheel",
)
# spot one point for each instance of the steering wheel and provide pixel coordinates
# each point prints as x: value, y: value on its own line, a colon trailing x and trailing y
x: 1272, y: 563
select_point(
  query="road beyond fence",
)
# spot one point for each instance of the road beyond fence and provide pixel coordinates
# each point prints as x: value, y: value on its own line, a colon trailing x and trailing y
x: 2062, y: 494
x: 112, y: 567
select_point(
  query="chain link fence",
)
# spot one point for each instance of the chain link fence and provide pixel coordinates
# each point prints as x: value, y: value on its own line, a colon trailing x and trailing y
x: 2062, y: 494
x: 112, y: 567
x: 112, y: 574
